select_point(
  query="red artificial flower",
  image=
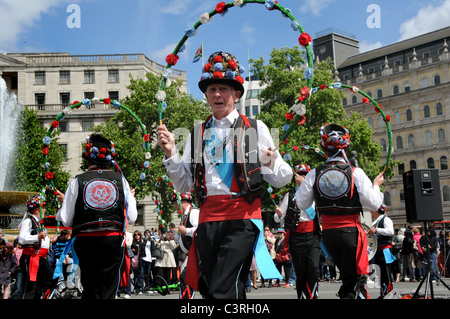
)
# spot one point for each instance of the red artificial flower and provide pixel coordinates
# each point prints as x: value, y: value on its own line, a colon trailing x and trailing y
x: 240, y: 79
x: 49, y: 175
x: 295, y: 148
x: 304, y: 93
x: 88, y: 146
x: 55, y: 124
x: 273, y: 196
x: 220, y: 7
x: 302, y: 120
x: 286, y: 140
x: 365, y: 100
x: 76, y: 102
x: 378, y: 110
x: 323, y: 86
x: 102, y: 150
x: 232, y: 64
x: 170, y: 184
x: 156, y: 202
x: 388, y: 118
x: 289, y: 116
x: 159, y: 179
x: 172, y: 59
x: 217, y: 75
x: 147, y: 137
x: 218, y: 59
x: 101, y: 156
x: 207, y: 67
x: 107, y: 100
x: 304, y: 39
x: 44, y: 150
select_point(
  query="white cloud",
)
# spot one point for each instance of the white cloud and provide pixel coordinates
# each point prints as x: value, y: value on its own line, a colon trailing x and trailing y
x: 248, y: 33
x: 365, y: 46
x: 314, y: 6
x: 428, y: 19
x: 18, y: 16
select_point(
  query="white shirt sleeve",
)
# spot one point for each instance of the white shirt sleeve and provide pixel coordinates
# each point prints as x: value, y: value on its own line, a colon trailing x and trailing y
x: 193, y: 219
x: 283, y: 206
x: 67, y: 212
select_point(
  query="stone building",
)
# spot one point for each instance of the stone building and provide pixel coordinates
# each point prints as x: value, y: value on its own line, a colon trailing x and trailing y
x: 49, y: 82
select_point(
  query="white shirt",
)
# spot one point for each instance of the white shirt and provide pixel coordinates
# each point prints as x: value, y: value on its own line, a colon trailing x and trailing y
x: 304, y: 217
x: 193, y: 219
x: 67, y: 212
x: 388, y: 228
x: 25, y: 237
x: 370, y: 196
x: 179, y: 169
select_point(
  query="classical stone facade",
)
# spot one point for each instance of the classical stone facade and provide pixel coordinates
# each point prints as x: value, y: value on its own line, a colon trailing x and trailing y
x: 49, y: 82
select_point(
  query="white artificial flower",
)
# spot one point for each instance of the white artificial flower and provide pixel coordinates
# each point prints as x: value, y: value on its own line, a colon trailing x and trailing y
x: 238, y: 3
x: 160, y: 95
x: 204, y: 18
x: 299, y: 109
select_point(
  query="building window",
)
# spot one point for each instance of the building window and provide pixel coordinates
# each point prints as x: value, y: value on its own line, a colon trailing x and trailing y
x: 65, y: 158
x: 402, y: 197
x: 379, y: 93
x: 443, y: 161
x: 428, y: 138
x: 383, y: 145
x: 439, y: 110
x: 446, y: 193
x: 370, y: 121
x: 437, y: 79
x: 354, y: 99
x: 397, y: 118
x: 395, y: 90
x: 89, y: 76
x: 39, y: 77
x: 401, y: 168
x: 113, y: 76
x: 412, y: 164
x: 90, y: 96
x: 369, y: 93
x: 39, y: 99
x: 247, y: 111
x: 430, y: 162
x: 255, y: 110
x: 408, y: 115
x: 407, y: 87
x: 87, y: 125
x: 441, y: 135
x: 113, y: 95
x: 63, y: 126
x: 64, y: 77
x: 424, y: 83
x: 387, y: 198
x: 399, y: 142
x: 411, y: 141
x: 64, y: 99
x: 344, y: 101
x: 426, y: 111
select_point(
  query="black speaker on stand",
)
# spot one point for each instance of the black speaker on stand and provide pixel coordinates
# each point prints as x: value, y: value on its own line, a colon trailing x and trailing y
x: 423, y: 204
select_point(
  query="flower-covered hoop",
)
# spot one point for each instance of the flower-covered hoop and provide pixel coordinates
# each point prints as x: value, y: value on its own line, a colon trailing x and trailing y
x: 87, y: 102
x: 222, y: 8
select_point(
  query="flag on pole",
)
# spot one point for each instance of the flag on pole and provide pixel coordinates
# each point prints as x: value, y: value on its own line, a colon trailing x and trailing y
x: 198, y: 54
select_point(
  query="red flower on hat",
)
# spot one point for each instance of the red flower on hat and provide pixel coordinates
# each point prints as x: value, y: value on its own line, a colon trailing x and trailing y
x: 217, y: 75
x: 101, y: 156
x: 207, y: 67
x: 107, y: 100
x: 304, y: 39
x: 232, y: 64
x: 172, y: 59
x: 49, y: 175
x: 240, y: 79
x: 365, y: 100
x: 218, y: 59
x: 220, y: 7
x: 102, y: 150
x: 55, y: 124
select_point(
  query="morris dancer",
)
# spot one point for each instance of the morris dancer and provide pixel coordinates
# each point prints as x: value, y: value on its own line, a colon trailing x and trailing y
x: 302, y: 238
x: 340, y: 193
x: 224, y: 161
x: 98, y: 204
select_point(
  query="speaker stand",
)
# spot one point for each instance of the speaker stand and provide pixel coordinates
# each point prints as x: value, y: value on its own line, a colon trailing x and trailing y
x: 427, y: 279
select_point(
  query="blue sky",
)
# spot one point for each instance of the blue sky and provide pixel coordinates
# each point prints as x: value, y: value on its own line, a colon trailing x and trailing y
x: 154, y: 27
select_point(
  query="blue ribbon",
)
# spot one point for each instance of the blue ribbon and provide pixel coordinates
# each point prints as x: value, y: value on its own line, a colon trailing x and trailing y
x: 311, y: 212
x: 59, y: 266
x: 388, y: 256
x: 265, y: 264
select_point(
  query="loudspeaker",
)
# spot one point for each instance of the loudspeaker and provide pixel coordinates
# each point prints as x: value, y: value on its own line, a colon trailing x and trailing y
x: 422, y: 195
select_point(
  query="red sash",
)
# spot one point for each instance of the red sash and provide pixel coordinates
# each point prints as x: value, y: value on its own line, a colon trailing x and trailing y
x: 218, y: 208
x: 339, y: 221
x: 35, y: 255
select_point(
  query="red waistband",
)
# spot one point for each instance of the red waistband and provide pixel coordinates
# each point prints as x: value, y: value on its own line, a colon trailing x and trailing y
x: 306, y: 227
x: 101, y: 233
x: 41, y: 252
x: 339, y: 221
x: 35, y: 255
x: 223, y: 207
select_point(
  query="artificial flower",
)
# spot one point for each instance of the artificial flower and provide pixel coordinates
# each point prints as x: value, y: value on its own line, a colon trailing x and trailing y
x: 116, y: 104
x: 189, y: 31
x: 49, y: 175
x: 95, y: 100
x: 218, y: 59
x: 55, y: 124
x: 302, y: 120
x: 294, y: 25
x: 160, y: 95
x: 289, y: 116
x: 365, y: 100
x: 355, y: 89
x: 295, y: 148
x: 220, y: 7
x: 172, y: 59
x: 147, y: 137
x: 86, y: 102
x: 304, y: 39
x: 107, y: 100
x: 308, y: 73
x: 323, y: 86
x: 46, y: 140
x: 232, y: 64
x: 238, y: 3
x: 240, y: 79
x: 388, y: 118
x: 204, y: 18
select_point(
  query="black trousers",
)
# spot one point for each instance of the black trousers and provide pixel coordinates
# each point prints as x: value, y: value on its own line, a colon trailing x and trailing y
x: 342, y: 244
x: 101, y: 258
x: 385, y: 273
x: 225, y: 250
x: 305, y: 253
x: 44, y: 284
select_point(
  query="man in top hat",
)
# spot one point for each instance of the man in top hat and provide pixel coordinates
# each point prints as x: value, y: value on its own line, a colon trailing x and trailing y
x: 340, y: 192
x: 37, y: 279
x: 98, y: 205
x: 302, y: 237
x: 186, y: 230
x: 224, y: 161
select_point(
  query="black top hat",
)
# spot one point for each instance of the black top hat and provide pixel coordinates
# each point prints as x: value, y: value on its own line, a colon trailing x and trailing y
x: 99, y: 150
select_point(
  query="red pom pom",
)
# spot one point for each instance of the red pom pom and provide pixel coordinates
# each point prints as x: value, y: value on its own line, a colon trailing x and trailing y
x: 240, y: 79
x: 217, y: 75
x: 217, y: 59
x: 232, y: 64
x: 207, y: 67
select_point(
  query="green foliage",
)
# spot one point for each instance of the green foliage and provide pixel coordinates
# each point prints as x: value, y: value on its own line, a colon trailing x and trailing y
x: 182, y: 110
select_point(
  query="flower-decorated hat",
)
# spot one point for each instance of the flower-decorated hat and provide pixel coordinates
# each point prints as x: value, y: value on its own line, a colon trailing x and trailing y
x: 222, y: 67
x: 302, y: 169
x: 34, y: 202
x: 99, y: 150
x: 183, y: 196
x: 334, y: 137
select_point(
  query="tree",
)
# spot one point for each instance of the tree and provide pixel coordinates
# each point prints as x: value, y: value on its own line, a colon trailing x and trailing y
x: 179, y: 117
x: 29, y: 167
x: 284, y: 79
